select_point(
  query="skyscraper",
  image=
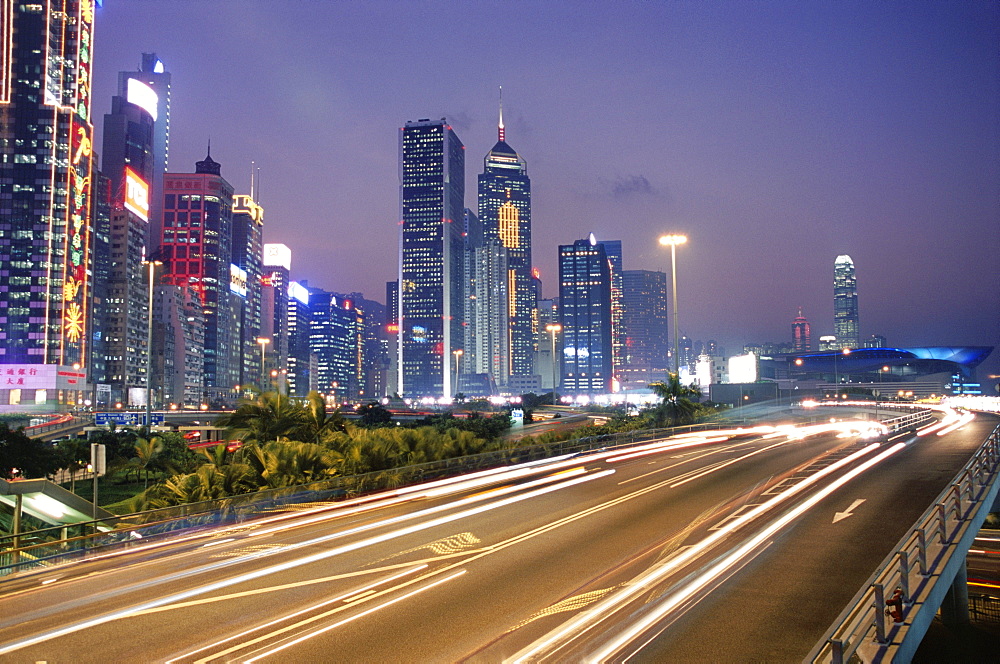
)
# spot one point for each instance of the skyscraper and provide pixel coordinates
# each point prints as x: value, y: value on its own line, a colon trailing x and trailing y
x: 845, y: 303
x: 337, y: 339
x: 127, y: 154
x: 196, y: 249
x: 613, y: 249
x: 644, y: 325
x: 248, y: 253
x: 301, y: 362
x: 431, y: 256
x: 585, y: 312
x: 274, y: 301
x: 46, y: 173
x: 801, y: 334
x: 132, y: 85
x: 505, y: 214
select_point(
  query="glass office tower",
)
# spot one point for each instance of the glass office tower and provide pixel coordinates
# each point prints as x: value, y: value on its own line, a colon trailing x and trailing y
x: 585, y: 313
x: 845, y: 303
x: 431, y: 260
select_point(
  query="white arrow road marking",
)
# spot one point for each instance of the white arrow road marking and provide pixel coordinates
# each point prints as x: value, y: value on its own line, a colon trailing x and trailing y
x: 846, y: 513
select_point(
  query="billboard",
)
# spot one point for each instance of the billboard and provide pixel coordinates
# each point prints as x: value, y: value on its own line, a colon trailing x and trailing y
x: 277, y: 255
x: 238, y: 280
x: 136, y: 194
x: 142, y: 95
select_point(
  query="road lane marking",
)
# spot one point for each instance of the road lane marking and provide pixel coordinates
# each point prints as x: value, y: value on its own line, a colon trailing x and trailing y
x: 849, y: 511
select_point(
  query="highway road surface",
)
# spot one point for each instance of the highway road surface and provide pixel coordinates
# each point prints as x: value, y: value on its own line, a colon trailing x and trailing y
x: 719, y: 546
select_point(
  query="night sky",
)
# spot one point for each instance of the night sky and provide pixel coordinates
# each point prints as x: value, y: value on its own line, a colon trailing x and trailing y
x: 776, y: 135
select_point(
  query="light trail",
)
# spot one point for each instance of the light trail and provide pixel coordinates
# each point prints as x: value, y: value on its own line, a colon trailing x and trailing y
x: 339, y: 598
x: 322, y: 555
x: 588, y: 619
x: 719, y: 568
x: 356, y: 617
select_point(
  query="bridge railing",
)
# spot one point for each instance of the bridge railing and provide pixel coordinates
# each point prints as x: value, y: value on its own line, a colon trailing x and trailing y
x: 895, y: 607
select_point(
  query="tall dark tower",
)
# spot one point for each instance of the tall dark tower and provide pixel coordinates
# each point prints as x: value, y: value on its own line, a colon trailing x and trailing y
x: 46, y: 177
x: 801, y: 334
x: 505, y: 214
x: 845, y: 303
x: 431, y: 257
x: 585, y: 313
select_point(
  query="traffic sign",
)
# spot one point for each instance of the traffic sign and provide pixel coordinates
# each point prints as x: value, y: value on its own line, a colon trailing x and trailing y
x: 125, y: 419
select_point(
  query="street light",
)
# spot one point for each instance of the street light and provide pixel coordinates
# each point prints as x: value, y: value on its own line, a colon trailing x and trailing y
x: 673, y: 241
x: 552, y: 329
x: 263, y: 341
x: 458, y: 358
x: 149, y: 346
x: 836, y: 369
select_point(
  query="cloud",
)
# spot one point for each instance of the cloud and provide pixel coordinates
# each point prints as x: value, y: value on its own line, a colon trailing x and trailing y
x: 628, y: 187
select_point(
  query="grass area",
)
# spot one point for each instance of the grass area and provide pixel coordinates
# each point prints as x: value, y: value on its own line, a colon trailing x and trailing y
x: 109, y: 490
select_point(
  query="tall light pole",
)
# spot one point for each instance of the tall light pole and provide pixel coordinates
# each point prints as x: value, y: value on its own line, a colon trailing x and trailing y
x: 263, y: 341
x: 149, y: 348
x: 673, y: 241
x: 552, y: 329
x: 458, y: 358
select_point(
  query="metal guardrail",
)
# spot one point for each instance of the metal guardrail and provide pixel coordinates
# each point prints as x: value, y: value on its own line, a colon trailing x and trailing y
x: 912, y: 581
x: 51, y: 546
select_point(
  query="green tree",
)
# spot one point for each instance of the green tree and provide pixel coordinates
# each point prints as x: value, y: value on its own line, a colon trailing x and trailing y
x: 374, y: 415
x: 263, y: 418
x: 23, y: 456
x: 677, y: 406
x: 289, y: 463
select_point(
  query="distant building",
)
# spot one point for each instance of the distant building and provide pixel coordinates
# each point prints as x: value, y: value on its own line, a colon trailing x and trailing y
x: 644, y: 325
x: 336, y: 338
x: 302, y: 363
x: 613, y: 250
x: 874, y: 341
x: 246, y: 274
x: 505, y: 215
x: 276, y: 277
x: 801, y: 334
x: 585, y: 315
x: 845, y: 302
x: 178, y: 347
x: 196, y: 249
x: 431, y: 260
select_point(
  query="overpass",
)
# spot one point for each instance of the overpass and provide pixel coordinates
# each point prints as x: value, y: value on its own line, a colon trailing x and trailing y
x: 707, y: 546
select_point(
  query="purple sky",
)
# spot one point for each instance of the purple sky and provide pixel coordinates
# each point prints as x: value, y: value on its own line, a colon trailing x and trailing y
x: 776, y: 135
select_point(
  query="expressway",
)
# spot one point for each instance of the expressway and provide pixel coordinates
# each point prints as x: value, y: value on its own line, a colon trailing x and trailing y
x: 718, y: 546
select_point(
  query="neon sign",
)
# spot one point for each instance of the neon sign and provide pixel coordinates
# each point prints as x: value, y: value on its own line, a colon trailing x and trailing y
x: 136, y: 194
x: 143, y: 96
x: 238, y: 280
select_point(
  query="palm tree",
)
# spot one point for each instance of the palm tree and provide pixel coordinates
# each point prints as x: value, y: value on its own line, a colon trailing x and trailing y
x: 265, y: 417
x: 146, y: 452
x: 677, y: 403
x: 285, y: 463
x: 317, y: 423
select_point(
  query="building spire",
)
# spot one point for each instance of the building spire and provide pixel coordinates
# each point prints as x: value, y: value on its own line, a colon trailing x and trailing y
x: 500, y: 132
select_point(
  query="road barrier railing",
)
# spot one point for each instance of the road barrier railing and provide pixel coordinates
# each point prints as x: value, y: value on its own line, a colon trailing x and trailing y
x: 922, y: 568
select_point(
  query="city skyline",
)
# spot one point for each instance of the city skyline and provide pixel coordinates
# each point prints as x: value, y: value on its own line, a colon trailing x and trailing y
x: 775, y: 136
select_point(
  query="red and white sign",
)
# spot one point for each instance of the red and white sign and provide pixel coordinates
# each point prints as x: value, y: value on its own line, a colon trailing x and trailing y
x: 136, y: 194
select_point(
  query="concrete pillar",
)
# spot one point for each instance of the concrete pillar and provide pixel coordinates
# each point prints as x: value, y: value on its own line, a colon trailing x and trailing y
x: 955, y: 607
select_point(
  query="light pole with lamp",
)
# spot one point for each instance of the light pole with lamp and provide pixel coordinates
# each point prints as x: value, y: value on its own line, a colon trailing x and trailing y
x: 673, y: 241
x: 552, y: 329
x: 458, y: 358
x: 149, y: 347
x: 263, y: 341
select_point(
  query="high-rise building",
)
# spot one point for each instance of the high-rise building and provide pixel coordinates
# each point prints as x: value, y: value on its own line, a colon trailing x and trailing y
x: 246, y: 274
x: 644, y: 326
x: 149, y: 87
x: 196, y: 249
x: 46, y: 173
x: 128, y: 163
x: 613, y: 249
x: 178, y: 347
x: 302, y: 365
x: 274, y: 304
x: 505, y: 214
x: 585, y: 315
x: 845, y: 303
x: 336, y: 337
x: 801, y: 334
x: 431, y: 260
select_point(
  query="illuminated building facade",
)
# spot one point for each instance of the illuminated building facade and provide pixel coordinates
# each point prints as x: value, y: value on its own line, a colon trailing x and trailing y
x: 431, y: 261
x: 505, y: 213
x: 801, y: 334
x: 336, y: 338
x: 245, y: 282
x: 46, y: 172
x: 274, y: 303
x: 585, y: 314
x: 644, y: 327
x: 178, y: 347
x: 127, y: 154
x: 136, y: 87
x: 302, y: 364
x: 613, y: 250
x: 196, y: 249
x: 845, y: 303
